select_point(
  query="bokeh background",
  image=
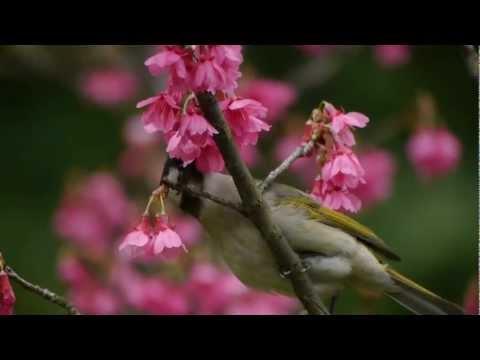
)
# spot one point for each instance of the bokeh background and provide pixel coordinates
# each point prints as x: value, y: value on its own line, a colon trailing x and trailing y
x: 51, y: 132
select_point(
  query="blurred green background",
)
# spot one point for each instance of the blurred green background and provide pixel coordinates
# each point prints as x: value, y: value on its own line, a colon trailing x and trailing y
x: 48, y: 130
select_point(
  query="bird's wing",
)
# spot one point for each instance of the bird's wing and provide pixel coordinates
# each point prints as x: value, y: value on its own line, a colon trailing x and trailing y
x: 341, y: 221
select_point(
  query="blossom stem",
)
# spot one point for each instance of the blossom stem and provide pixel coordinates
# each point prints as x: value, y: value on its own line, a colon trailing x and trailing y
x: 44, y: 293
x: 259, y: 213
x: 299, y: 152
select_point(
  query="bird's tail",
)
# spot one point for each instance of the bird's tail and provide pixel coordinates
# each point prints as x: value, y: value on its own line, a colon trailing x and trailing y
x: 418, y: 299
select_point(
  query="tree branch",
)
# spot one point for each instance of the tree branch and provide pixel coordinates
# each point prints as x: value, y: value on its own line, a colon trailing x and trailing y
x: 257, y: 211
x: 205, y: 195
x: 301, y: 151
x: 44, y: 293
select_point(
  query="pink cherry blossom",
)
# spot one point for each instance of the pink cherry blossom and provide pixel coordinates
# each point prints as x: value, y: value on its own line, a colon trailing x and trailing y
x: 173, y: 59
x: 379, y: 166
x: 245, y: 119
x: 343, y: 123
x: 7, y: 296
x: 471, y: 303
x: 276, y: 96
x: 392, y: 55
x: 259, y: 303
x: 210, y: 159
x: 163, y: 112
x: 150, y: 238
x: 343, y: 169
x: 188, y: 228
x: 109, y: 87
x: 434, y: 152
x: 96, y: 300
x: 335, y: 197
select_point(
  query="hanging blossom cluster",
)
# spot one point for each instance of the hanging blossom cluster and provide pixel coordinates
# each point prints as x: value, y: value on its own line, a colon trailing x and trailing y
x: 340, y: 170
x: 7, y: 296
x: 175, y: 113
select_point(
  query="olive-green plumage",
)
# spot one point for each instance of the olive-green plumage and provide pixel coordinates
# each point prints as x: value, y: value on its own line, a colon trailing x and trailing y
x: 340, y: 251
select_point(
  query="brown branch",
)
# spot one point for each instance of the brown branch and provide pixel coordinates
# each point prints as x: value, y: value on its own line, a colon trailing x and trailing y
x: 205, y: 195
x: 299, y: 152
x: 44, y: 293
x: 257, y: 211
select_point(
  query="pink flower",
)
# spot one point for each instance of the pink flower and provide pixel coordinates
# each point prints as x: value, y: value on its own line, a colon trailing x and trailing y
x: 152, y: 295
x: 210, y: 159
x: 434, y: 152
x: 194, y: 136
x: 92, y: 212
x: 7, y: 296
x: 342, y: 124
x: 277, y: 96
x: 189, y: 229
x: 471, y: 303
x: 96, y: 300
x: 244, y: 117
x: 217, y: 68
x: 343, y: 170
x: 174, y: 59
x: 150, y: 238
x: 379, y: 168
x: 392, y: 55
x: 211, y: 289
x: 204, y: 68
x: 335, y: 197
x: 163, y: 112
x: 135, y: 135
x: 74, y: 272
x: 109, y: 87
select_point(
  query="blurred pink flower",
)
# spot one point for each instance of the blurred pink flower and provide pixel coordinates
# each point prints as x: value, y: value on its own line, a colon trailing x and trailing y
x: 316, y: 50
x: 7, y: 296
x: 393, y: 55
x: 74, y: 272
x: 471, y: 303
x: 189, y: 229
x: 379, y: 168
x: 134, y: 134
x: 276, y: 96
x: 150, y: 295
x: 92, y: 213
x: 96, y: 300
x: 109, y: 87
x: 133, y: 162
x: 244, y: 117
x: 304, y: 167
x: 258, y: 303
x: 150, y: 238
x: 434, y: 152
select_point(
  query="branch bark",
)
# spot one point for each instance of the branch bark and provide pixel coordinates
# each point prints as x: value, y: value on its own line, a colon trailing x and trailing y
x: 299, y: 152
x: 257, y: 211
x: 44, y: 293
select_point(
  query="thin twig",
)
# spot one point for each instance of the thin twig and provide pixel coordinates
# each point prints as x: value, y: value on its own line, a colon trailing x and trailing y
x: 299, y: 152
x: 205, y: 195
x: 44, y: 293
x: 259, y: 213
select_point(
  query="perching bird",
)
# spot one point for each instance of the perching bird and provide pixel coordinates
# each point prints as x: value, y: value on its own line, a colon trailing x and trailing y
x: 339, y: 252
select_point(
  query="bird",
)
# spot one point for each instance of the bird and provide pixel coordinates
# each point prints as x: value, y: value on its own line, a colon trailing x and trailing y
x: 338, y: 251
